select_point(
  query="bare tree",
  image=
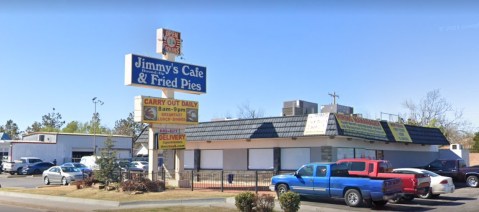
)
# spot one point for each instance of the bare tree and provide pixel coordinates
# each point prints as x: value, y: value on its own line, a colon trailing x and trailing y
x: 435, y: 111
x: 246, y: 112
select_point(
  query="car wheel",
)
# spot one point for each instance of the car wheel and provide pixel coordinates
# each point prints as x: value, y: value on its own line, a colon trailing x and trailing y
x: 353, y: 198
x: 46, y: 181
x: 281, y: 189
x: 472, y: 181
x: 428, y: 195
x: 64, y: 181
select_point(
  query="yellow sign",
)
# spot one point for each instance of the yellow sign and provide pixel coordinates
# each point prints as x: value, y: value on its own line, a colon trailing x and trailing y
x: 399, y: 132
x: 155, y: 110
x: 171, y: 141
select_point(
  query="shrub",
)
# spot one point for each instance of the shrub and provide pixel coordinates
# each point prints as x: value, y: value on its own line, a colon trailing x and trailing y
x: 145, y: 185
x: 264, y: 203
x: 88, y: 182
x: 245, y: 201
x: 290, y: 201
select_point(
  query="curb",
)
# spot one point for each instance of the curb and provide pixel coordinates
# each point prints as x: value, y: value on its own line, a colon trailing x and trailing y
x: 62, y: 199
x: 176, y: 202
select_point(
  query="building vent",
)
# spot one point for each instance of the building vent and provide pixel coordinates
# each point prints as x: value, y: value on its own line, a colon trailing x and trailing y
x: 299, y: 107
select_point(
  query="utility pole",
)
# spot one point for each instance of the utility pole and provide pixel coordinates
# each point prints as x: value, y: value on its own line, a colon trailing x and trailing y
x: 95, y: 122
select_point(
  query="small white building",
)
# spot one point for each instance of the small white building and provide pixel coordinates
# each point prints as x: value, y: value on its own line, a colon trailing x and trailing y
x: 63, y: 147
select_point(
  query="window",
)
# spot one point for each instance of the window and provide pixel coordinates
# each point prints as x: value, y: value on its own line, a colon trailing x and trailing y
x: 384, y: 167
x: 260, y: 159
x: 321, y: 171
x: 189, y: 159
x: 292, y: 158
x: 436, y: 164
x: 211, y: 159
x: 371, y: 167
x: 306, y: 170
x: 462, y: 164
x: 358, y: 166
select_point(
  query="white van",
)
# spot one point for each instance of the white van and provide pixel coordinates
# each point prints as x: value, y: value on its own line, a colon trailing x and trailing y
x: 90, y: 162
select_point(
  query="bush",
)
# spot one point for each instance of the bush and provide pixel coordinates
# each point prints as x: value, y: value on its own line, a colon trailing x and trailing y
x: 145, y: 185
x: 290, y: 201
x: 264, y: 203
x: 245, y: 201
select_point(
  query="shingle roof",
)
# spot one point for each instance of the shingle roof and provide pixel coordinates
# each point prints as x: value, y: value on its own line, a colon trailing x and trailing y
x: 288, y: 127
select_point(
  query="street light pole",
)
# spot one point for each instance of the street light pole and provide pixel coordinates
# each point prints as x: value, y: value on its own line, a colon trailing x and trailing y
x: 95, y: 122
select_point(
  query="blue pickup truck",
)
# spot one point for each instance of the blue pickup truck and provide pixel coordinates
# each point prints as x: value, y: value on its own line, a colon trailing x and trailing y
x: 333, y: 180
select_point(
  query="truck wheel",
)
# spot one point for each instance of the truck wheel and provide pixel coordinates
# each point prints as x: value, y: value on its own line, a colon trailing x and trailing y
x: 472, y: 181
x: 353, y: 198
x: 379, y: 203
x: 46, y: 181
x: 281, y: 189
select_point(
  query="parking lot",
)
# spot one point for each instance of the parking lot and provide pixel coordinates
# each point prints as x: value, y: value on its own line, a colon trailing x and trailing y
x: 463, y: 199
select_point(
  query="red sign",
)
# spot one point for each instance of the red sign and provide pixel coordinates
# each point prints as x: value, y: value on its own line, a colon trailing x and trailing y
x: 171, y: 42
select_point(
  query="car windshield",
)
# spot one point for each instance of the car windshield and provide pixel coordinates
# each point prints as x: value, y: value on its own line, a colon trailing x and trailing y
x: 79, y: 165
x: 432, y: 174
x: 70, y: 169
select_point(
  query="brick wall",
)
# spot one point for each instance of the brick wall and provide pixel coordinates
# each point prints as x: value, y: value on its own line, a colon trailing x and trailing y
x: 473, y: 159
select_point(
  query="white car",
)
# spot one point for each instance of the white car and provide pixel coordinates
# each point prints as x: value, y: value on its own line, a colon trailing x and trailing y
x: 439, y: 184
x: 140, y: 164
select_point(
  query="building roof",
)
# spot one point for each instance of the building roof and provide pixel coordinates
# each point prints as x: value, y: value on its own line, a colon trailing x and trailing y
x: 290, y: 127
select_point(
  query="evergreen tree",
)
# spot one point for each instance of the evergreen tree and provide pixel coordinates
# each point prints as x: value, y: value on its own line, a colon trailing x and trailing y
x: 108, y: 163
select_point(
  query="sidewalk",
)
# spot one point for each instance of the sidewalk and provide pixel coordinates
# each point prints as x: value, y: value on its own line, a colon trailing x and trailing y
x: 58, y: 203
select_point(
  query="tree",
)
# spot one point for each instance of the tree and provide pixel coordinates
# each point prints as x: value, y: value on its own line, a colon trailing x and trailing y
x: 107, y: 163
x: 72, y: 127
x: 476, y: 142
x: 35, y: 127
x: 435, y: 111
x: 246, y: 112
x: 11, y: 129
x: 52, y: 122
x: 129, y: 127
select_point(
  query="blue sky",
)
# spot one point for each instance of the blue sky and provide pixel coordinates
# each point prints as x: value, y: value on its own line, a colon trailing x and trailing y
x: 374, y: 54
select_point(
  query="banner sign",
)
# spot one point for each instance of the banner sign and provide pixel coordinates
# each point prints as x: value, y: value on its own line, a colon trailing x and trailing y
x: 150, y: 72
x: 171, y: 141
x: 154, y: 110
x: 168, y: 41
x: 316, y: 124
x: 360, y: 127
x: 399, y: 132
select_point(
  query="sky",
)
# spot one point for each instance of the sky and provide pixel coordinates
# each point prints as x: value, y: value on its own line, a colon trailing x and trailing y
x: 374, y: 54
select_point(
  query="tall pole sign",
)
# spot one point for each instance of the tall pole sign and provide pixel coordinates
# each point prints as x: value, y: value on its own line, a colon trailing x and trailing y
x: 167, y: 117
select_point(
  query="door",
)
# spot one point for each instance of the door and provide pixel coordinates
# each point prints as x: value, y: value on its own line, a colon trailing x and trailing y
x: 54, y: 175
x: 321, y: 182
x: 304, y: 180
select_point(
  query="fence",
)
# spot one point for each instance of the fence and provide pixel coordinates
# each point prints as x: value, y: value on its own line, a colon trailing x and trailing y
x: 212, y: 179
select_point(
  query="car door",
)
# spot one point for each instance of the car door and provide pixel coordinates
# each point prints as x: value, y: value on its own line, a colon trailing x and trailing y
x: 55, y: 175
x: 321, y: 182
x: 304, y: 180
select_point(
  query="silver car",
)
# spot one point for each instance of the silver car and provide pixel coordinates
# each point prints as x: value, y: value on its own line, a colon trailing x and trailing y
x: 63, y: 175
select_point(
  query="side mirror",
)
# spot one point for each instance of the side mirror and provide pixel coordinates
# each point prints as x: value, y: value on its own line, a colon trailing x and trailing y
x: 296, y: 173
